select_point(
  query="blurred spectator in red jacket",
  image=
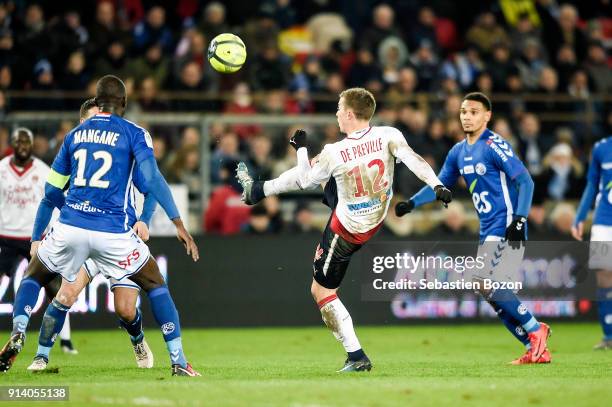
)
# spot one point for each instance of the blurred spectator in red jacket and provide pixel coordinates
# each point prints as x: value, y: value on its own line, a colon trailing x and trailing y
x: 226, y: 213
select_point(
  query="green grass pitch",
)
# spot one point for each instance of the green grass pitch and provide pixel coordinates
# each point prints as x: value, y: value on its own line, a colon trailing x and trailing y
x: 413, y: 366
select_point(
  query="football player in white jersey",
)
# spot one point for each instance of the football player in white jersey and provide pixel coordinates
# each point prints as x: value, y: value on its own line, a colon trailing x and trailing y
x: 23, y: 186
x: 360, y: 168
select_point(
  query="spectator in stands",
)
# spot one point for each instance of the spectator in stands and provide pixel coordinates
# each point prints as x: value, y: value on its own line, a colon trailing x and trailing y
x: 213, y: 20
x: 185, y: 169
x: 383, y: 26
x: 561, y: 221
x: 281, y: 11
x: 406, y: 85
x: 564, y: 30
x: 259, y: 161
x: 104, y: 30
x: 365, y: 71
x: 75, y: 76
x: 33, y: 43
x: 500, y: 66
x: 435, y: 145
x: 192, y: 84
x: 463, y: 67
x: 531, y: 62
x: 259, y: 223
x: 523, y: 32
x: 426, y: 64
x: 114, y: 60
x: 152, y: 64
x: 195, y: 52
x: 242, y: 104
x: 547, y: 101
x: 160, y: 149
x: 3, y: 106
x: 148, y: 100
x: 44, y: 81
x: 40, y: 147
x: 310, y: 78
x: 598, y: 68
x: 153, y: 30
x: 562, y: 176
x: 486, y: 32
x: 269, y: 69
x: 226, y: 213
x: 424, y: 29
x: 484, y: 83
x: 227, y: 150
x: 565, y: 65
x: 328, y: 103
x: 272, y: 205
x: 302, y: 220
x: 533, y: 145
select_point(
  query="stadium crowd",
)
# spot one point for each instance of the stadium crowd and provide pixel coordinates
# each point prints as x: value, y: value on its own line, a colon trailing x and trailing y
x: 546, y: 64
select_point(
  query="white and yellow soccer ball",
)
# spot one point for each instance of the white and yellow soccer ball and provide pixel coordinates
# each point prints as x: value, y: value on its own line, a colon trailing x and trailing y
x: 226, y: 53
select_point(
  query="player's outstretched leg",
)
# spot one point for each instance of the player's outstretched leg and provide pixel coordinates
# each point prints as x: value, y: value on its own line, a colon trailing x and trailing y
x: 151, y: 281
x: 339, y: 321
x: 36, y: 276
x: 130, y: 319
x: 255, y: 191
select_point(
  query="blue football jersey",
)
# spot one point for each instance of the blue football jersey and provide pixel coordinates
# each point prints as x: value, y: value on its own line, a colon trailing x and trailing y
x: 99, y: 155
x: 488, y: 168
x: 600, y: 174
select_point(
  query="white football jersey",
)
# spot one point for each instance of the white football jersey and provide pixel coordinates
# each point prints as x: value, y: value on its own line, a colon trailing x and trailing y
x: 21, y: 190
x: 363, y: 164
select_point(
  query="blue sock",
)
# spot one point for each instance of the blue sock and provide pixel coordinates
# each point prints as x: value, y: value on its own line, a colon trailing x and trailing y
x: 134, y: 328
x: 52, y: 324
x: 604, y: 296
x: 508, y: 302
x: 512, y: 325
x: 25, y: 301
x: 167, y: 318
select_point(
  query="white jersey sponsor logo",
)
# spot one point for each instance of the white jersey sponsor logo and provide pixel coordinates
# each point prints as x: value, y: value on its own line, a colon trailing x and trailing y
x: 363, y: 164
x: 21, y: 190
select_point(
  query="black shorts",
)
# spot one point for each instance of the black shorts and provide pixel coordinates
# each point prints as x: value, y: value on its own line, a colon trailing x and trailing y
x: 332, y: 258
x: 11, y: 253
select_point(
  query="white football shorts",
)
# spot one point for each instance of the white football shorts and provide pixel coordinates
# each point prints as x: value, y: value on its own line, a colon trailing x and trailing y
x: 93, y: 270
x: 600, y: 250
x: 502, y: 263
x: 116, y: 255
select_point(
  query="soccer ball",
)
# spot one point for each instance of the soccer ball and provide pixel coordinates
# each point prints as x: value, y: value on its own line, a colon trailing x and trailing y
x: 226, y: 53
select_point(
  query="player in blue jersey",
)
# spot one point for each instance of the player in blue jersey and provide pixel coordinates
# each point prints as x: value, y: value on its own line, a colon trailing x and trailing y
x: 99, y: 157
x: 501, y: 190
x: 599, y: 190
x: 125, y: 292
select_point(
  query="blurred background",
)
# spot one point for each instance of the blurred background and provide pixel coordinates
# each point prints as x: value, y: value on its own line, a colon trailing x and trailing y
x: 544, y: 63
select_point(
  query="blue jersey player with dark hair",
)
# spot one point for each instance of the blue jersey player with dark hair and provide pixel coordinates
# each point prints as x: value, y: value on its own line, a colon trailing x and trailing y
x: 599, y: 190
x: 98, y: 157
x: 501, y: 190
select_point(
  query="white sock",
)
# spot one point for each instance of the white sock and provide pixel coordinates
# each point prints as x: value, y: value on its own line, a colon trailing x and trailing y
x: 286, y: 182
x: 339, y: 321
x: 65, y: 332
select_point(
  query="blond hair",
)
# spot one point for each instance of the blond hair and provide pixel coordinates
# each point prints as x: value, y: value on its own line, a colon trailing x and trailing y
x: 360, y: 101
